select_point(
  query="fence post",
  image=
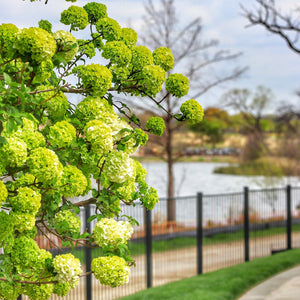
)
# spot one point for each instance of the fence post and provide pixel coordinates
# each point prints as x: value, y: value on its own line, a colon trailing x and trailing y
x: 199, y: 233
x: 88, y: 257
x: 288, y: 217
x: 246, y: 222
x: 148, y: 248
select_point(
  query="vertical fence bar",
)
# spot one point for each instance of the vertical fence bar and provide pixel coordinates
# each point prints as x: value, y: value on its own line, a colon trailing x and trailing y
x: 288, y: 217
x: 88, y: 257
x: 148, y: 248
x: 199, y: 233
x: 246, y: 223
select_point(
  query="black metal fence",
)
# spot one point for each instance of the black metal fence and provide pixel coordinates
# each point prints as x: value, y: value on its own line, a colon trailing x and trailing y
x: 210, y: 232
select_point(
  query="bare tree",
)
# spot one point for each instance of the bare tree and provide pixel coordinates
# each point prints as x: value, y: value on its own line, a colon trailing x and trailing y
x: 251, y: 107
x: 195, y: 57
x: 287, y: 26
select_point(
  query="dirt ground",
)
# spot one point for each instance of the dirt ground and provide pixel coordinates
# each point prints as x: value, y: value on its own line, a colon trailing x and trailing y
x: 177, y: 264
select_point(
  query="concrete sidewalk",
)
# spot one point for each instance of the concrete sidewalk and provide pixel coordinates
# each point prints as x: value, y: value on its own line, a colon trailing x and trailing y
x: 284, y: 286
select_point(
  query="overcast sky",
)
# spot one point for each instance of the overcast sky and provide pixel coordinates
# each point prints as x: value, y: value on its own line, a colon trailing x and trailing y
x: 270, y: 62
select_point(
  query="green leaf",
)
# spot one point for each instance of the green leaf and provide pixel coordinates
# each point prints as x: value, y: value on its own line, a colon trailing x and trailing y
x: 10, y: 125
x: 7, y: 78
x: 91, y: 218
x: 94, y: 193
x: 3, y: 141
x: 76, y: 210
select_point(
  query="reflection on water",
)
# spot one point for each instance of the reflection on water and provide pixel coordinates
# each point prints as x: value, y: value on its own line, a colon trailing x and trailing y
x: 194, y: 177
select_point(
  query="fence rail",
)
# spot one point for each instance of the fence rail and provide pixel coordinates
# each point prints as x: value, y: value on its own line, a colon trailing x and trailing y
x: 210, y: 232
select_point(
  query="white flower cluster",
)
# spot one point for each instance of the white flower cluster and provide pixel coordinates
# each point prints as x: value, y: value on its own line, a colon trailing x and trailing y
x: 110, y: 232
x: 68, y: 269
x: 119, y: 167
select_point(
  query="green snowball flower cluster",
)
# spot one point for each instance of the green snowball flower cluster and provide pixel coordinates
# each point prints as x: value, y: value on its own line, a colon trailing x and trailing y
x: 75, y: 16
x: 22, y: 221
x: 192, y: 111
x: 95, y: 11
x: 26, y: 201
x: 150, y: 199
x: 14, y: 152
x: 153, y: 79
x: 119, y: 73
x: 91, y: 108
x: 6, y: 226
x: 177, y: 84
x: 67, y: 46
x: 24, y: 252
x: 46, y: 25
x: 137, y: 138
x: 66, y: 222
x: 163, y: 57
x: 62, y: 134
x: 156, y: 125
x: 3, y: 192
x: 55, y: 102
x: 43, y: 71
x: 95, y: 78
x: 109, y: 29
x: 44, y: 164
x: 119, y: 167
x: 100, y: 136
x: 141, y: 57
x: 35, y: 45
x: 117, y: 125
x: 111, y: 270
x: 8, y: 34
x: 117, y: 52
x: 9, y: 291
x: 27, y: 133
x: 38, y: 292
x: 129, y: 37
x: 26, y: 179
x: 141, y: 172
x: 61, y: 289
x: 73, y: 182
x: 110, y: 232
x: 86, y: 48
x: 67, y: 269
x: 127, y: 189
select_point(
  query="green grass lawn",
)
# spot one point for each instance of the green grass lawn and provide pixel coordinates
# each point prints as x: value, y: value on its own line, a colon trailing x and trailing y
x: 224, y: 284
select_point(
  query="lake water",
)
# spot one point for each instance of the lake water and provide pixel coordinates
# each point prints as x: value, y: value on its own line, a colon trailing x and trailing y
x: 194, y: 177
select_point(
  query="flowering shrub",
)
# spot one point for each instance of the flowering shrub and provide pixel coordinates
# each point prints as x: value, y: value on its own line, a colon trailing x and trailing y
x: 67, y: 269
x: 163, y: 57
x: 156, y: 125
x: 117, y: 52
x: 62, y: 134
x: 141, y: 57
x: 95, y: 78
x: 66, y: 44
x: 112, y: 271
x: 52, y: 150
x: 110, y: 232
x: 192, y: 111
x: 67, y: 222
x: 177, y: 85
x: 75, y: 16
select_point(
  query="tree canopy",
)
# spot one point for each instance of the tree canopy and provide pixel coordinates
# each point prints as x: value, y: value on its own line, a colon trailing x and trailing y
x: 52, y: 151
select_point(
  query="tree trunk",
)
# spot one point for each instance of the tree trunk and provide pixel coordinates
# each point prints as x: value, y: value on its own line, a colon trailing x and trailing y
x: 171, y: 205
